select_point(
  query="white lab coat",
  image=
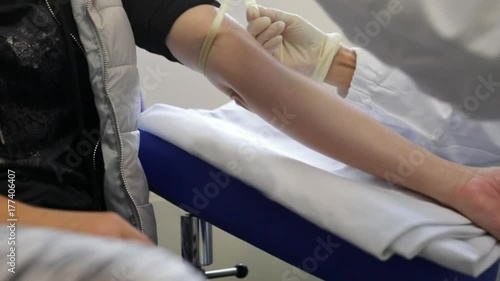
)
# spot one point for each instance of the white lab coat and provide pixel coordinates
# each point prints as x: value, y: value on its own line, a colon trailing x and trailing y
x: 389, y: 95
x: 450, y: 48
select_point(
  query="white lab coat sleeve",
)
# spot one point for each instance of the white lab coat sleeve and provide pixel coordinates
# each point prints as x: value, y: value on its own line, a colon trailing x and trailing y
x: 449, y: 47
x: 389, y: 95
x: 48, y: 255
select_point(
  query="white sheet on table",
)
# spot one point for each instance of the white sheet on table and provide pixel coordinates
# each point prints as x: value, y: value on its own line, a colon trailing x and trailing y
x: 379, y: 218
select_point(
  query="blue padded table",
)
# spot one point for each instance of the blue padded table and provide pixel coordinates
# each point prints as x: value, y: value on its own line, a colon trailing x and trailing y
x: 247, y: 214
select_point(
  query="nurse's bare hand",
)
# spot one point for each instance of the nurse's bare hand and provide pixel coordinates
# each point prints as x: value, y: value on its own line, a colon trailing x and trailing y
x: 104, y: 224
x: 479, y: 200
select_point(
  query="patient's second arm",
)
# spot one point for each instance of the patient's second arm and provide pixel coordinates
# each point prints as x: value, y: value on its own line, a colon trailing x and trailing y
x: 324, y: 122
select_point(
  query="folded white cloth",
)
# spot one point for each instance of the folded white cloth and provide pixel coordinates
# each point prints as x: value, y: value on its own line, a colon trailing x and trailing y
x: 381, y: 219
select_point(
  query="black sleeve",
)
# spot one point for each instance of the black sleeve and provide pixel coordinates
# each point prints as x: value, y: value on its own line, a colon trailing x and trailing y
x: 152, y: 21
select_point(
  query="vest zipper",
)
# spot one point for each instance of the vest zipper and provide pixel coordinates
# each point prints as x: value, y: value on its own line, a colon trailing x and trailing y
x: 105, y: 82
x: 95, y: 153
x: 78, y: 44
x: 94, y: 156
x: 60, y: 24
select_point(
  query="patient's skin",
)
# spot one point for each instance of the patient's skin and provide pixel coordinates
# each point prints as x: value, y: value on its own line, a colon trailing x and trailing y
x: 105, y: 224
x: 239, y: 66
x: 478, y: 199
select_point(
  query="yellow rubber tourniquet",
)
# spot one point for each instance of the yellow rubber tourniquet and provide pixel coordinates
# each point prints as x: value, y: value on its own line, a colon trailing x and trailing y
x: 250, y: 3
x: 212, y: 33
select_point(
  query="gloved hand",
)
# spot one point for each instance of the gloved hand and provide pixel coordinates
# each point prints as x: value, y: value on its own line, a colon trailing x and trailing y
x: 294, y: 41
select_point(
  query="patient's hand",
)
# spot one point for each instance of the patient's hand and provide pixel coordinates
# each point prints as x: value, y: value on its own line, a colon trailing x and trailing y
x: 101, y: 224
x: 479, y: 200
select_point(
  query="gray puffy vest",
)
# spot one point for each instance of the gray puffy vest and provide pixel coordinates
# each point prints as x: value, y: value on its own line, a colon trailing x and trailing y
x: 107, y: 38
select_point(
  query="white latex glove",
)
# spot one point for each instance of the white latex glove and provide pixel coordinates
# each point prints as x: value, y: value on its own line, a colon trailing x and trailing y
x: 294, y: 41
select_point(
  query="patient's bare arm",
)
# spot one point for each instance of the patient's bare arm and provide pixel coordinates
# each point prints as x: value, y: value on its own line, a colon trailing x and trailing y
x: 239, y: 66
x: 94, y: 223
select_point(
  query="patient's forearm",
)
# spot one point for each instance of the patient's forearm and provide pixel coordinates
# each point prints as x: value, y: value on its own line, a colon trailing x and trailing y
x: 15, y: 210
x: 316, y: 118
x: 327, y: 124
x: 95, y: 223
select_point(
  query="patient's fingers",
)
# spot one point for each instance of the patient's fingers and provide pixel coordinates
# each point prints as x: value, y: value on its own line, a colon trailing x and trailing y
x: 257, y: 26
x: 120, y: 227
x: 274, y: 30
x: 106, y: 224
x: 272, y: 45
x: 130, y: 233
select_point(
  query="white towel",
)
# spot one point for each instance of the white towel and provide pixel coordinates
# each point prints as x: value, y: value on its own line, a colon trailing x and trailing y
x: 381, y: 219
